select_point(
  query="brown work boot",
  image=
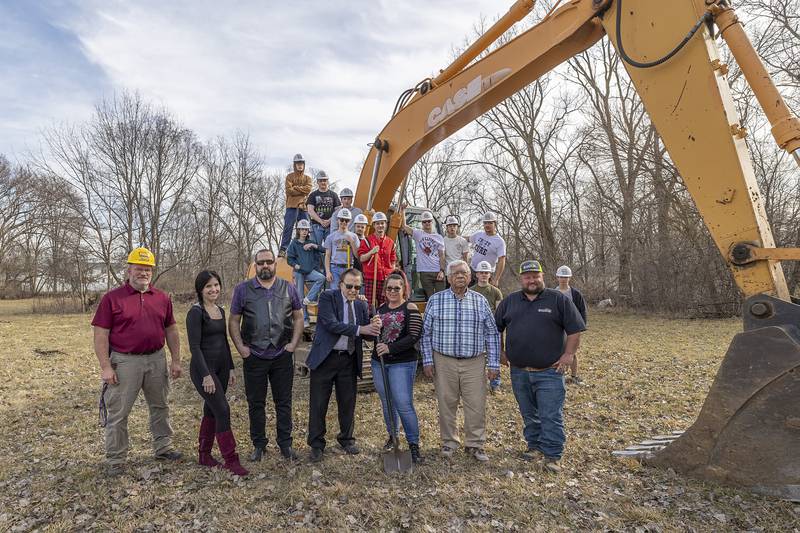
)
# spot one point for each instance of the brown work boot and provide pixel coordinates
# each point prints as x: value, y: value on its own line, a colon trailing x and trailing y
x: 551, y: 464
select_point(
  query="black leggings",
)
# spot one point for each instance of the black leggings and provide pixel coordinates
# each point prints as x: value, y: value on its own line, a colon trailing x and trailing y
x: 215, y: 405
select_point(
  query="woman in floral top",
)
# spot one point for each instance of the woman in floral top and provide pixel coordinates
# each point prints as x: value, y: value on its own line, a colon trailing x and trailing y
x: 402, y: 328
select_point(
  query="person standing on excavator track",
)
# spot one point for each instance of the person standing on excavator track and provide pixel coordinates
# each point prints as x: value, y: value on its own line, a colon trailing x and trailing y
x: 298, y: 186
x: 430, y: 254
x: 488, y: 246
x: 321, y: 204
x: 346, y: 197
x: 378, y: 256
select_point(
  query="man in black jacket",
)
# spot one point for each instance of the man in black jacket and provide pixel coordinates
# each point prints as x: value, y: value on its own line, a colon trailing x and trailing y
x: 563, y: 275
x: 335, y: 360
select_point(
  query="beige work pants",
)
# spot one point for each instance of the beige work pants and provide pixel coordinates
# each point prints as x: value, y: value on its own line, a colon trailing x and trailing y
x: 147, y: 373
x: 465, y: 380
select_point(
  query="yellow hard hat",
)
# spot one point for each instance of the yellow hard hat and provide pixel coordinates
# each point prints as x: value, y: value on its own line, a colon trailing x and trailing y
x: 141, y: 256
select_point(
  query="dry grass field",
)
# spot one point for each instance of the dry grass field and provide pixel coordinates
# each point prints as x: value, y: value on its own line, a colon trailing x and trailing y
x: 645, y: 376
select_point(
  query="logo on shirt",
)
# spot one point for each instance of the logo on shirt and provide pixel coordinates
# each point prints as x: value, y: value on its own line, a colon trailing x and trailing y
x: 545, y: 310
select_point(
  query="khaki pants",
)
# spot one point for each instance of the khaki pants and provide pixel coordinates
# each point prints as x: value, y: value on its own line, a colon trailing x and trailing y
x: 134, y: 373
x: 461, y: 379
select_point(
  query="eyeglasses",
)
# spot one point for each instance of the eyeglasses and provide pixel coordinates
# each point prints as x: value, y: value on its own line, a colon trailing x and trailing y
x: 393, y: 289
x: 427, y: 221
x: 350, y: 287
x: 265, y: 262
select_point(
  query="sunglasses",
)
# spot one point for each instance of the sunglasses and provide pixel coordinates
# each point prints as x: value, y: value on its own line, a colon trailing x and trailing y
x: 265, y: 262
x: 393, y: 289
x: 350, y: 287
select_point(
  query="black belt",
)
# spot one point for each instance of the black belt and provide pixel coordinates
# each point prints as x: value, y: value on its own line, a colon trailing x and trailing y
x: 141, y: 353
x: 341, y: 352
x: 341, y: 265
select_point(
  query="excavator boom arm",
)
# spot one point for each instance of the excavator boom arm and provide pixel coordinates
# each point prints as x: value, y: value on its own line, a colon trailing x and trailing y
x: 747, y: 430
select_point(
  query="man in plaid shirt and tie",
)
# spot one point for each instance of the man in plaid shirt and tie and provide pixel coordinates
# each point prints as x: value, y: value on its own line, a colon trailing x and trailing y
x: 458, y: 334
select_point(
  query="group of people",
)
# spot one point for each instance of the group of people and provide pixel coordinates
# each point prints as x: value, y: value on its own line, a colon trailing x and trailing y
x: 460, y: 344
x: 469, y: 329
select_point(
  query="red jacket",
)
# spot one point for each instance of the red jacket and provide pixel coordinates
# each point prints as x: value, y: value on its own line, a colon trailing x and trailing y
x: 386, y: 256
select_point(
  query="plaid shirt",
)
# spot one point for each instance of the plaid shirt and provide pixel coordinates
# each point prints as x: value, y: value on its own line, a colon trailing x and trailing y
x: 460, y: 328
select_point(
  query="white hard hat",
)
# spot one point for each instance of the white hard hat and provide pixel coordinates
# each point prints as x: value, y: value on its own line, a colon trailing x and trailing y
x: 303, y: 224
x: 489, y: 217
x: 451, y: 219
x: 344, y: 214
x: 426, y: 216
x: 361, y: 218
x: 322, y: 175
x: 298, y: 158
x: 346, y: 192
x: 484, y: 266
x: 564, y: 272
x: 378, y: 217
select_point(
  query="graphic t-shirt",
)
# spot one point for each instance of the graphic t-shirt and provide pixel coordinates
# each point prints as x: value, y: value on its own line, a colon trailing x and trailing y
x: 454, y: 248
x: 342, y: 246
x: 487, y: 248
x: 324, y: 203
x: 428, y: 247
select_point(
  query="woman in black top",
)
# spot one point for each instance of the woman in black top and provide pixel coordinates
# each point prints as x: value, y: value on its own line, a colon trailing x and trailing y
x: 402, y: 328
x: 210, y: 370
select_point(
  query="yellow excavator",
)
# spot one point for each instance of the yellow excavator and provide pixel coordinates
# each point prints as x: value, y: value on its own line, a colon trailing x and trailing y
x: 748, y: 431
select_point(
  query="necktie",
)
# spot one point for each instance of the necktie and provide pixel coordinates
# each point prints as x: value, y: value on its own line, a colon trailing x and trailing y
x: 351, y: 341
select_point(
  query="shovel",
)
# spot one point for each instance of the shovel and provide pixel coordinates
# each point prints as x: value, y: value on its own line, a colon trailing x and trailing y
x: 396, y: 460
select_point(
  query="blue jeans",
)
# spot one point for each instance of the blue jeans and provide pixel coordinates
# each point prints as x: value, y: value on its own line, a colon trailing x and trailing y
x: 315, y: 277
x: 540, y: 396
x: 495, y: 382
x: 401, y: 382
x: 290, y: 218
x: 336, y: 272
x: 320, y: 233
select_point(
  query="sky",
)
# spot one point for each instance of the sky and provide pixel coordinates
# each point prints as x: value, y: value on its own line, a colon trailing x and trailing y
x: 317, y: 77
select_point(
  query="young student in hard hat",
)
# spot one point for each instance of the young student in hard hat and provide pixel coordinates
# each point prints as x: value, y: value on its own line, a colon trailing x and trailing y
x: 493, y: 295
x: 304, y: 257
x: 378, y: 257
x: 346, y: 197
x: 131, y: 325
x: 321, y: 204
x: 564, y: 275
x: 298, y: 186
x: 430, y: 254
x: 455, y: 246
x: 488, y: 246
x: 340, y: 249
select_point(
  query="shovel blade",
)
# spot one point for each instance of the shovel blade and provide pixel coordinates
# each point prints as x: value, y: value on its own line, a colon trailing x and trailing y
x: 397, y: 461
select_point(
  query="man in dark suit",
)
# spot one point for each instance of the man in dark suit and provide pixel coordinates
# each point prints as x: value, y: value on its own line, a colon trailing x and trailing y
x: 335, y: 360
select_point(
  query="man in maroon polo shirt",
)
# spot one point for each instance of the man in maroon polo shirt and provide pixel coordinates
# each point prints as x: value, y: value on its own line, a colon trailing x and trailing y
x: 131, y: 325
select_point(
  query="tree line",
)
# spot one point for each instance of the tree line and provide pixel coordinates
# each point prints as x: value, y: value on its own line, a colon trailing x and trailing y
x: 571, y: 165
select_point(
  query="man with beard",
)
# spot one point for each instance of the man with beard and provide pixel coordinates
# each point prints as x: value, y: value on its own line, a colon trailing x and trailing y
x: 543, y: 330
x: 265, y: 325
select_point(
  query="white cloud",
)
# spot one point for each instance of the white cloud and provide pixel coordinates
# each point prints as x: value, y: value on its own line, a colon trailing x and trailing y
x: 311, y: 76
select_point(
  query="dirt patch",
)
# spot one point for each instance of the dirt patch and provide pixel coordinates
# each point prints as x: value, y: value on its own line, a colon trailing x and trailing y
x: 645, y: 376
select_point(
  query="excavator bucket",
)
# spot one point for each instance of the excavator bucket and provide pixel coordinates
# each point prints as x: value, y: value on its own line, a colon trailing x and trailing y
x: 748, y: 431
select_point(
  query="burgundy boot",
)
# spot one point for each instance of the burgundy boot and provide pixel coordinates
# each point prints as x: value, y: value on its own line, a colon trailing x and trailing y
x: 205, y: 442
x: 227, y: 446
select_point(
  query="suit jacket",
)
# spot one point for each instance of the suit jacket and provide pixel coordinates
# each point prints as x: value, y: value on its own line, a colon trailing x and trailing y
x: 331, y: 325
